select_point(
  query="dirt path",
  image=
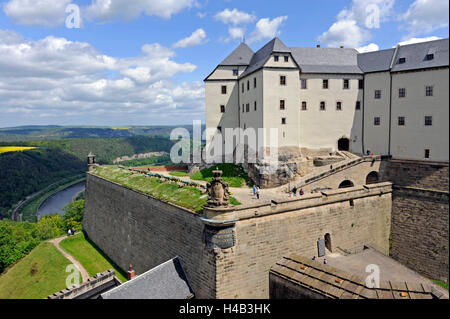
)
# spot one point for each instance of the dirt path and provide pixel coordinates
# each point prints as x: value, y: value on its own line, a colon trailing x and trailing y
x: 84, y: 273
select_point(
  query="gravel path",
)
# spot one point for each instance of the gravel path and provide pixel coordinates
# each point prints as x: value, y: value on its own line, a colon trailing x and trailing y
x: 84, y: 273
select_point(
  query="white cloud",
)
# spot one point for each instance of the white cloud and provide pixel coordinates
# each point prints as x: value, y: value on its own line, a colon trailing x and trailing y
x: 425, y: 16
x: 353, y: 25
x: 234, y: 17
x: 52, y: 13
x: 196, y: 38
x: 346, y: 33
x: 106, y: 10
x: 267, y: 29
x: 418, y: 40
x: 47, y: 13
x: 75, y: 83
x: 368, y: 48
x: 235, y: 34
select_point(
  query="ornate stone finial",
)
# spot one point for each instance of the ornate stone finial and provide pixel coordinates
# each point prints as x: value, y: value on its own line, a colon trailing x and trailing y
x: 218, y: 191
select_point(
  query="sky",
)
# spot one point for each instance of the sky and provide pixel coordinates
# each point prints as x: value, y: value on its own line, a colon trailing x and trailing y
x: 142, y: 62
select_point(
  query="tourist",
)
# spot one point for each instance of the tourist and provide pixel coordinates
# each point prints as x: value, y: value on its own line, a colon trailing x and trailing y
x: 73, y: 231
x: 257, y: 192
x: 69, y: 233
x: 294, y: 191
x: 301, y: 192
x: 325, y: 261
x: 254, y: 190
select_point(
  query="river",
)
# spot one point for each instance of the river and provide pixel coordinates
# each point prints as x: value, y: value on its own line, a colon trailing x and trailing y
x: 56, y: 202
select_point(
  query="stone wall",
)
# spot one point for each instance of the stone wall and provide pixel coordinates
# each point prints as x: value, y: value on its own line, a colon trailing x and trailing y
x: 353, y: 217
x: 420, y: 231
x: 422, y: 174
x: 131, y: 227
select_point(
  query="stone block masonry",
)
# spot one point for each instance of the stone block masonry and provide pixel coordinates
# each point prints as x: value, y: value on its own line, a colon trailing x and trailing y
x: 232, y: 261
x: 420, y: 231
x: 134, y: 228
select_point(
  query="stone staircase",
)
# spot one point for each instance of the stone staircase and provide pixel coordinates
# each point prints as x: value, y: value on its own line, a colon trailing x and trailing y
x: 350, y: 160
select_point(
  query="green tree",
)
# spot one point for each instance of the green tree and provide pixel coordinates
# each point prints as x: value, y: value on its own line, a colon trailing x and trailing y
x: 50, y: 226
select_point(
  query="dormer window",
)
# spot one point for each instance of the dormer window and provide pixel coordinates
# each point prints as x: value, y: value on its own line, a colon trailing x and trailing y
x: 429, y: 57
x: 276, y: 58
x: 286, y: 58
x: 235, y: 72
x: 401, y: 60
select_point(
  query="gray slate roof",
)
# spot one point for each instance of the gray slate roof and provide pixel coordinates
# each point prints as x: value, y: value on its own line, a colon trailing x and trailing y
x: 262, y: 55
x: 166, y: 281
x: 342, y: 60
x: 326, y: 60
x: 415, y: 55
x: 376, y: 61
x: 241, y: 56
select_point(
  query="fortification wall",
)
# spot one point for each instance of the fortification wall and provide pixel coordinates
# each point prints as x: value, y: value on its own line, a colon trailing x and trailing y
x: 135, y: 228
x: 421, y: 174
x: 420, y: 231
x: 353, y: 217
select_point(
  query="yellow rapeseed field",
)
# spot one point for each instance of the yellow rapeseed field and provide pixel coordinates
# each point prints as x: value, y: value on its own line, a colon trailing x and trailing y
x: 6, y: 149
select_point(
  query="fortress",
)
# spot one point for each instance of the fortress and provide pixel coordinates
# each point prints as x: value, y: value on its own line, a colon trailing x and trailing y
x: 394, y: 202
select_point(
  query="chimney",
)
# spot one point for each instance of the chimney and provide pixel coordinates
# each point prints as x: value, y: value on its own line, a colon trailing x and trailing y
x: 131, y: 273
x: 341, y: 46
x: 318, y: 45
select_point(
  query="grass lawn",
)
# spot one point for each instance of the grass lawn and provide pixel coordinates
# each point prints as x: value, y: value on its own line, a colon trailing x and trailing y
x: 37, y: 275
x: 232, y: 174
x: 90, y: 256
x: 179, y: 173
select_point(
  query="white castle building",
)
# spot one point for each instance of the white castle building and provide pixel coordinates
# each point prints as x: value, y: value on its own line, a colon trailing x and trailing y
x: 389, y: 102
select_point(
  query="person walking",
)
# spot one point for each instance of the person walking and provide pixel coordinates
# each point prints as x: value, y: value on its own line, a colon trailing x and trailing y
x: 257, y: 192
x: 254, y: 190
x: 294, y: 191
x: 301, y: 192
x: 69, y: 232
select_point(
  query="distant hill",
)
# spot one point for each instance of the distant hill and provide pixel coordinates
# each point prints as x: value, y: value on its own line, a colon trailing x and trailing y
x: 27, y: 133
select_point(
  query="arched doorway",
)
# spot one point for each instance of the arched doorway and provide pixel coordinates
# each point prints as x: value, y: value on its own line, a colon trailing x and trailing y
x: 328, y: 242
x: 372, y: 178
x: 344, y: 144
x: 346, y: 184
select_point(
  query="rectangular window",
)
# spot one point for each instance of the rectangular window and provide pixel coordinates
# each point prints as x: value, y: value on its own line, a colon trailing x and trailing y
x: 255, y: 105
x: 339, y: 106
x: 325, y: 84
x: 401, y: 60
x: 243, y: 108
x: 361, y: 84
x: 303, y: 84
x: 248, y: 85
x: 304, y: 106
x: 429, y: 90
x: 276, y: 58
x: 429, y: 57
x: 254, y: 83
x: 377, y: 121
x: 346, y: 84
x: 282, y: 80
x: 401, y: 92
x: 378, y: 94
x: 286, y: 58
x: 427, y: 153
x: 235, y: 72
x: 242, y: 87
x: 282, y: 105
x: 322, y: 106
x: 401, y: 121
x: 247, y: 107
x: 428, y: 120
x: 283, y: 121
x: 224, y: 89
x: 358, y: 105
x: 222, y: 109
